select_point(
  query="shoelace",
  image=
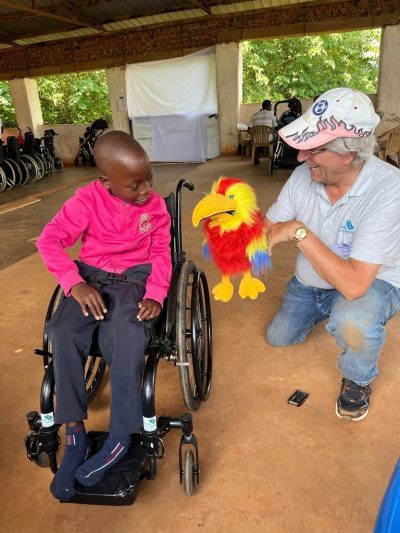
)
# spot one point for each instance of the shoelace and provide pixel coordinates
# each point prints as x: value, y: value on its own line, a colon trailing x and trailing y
x: 355, y: 392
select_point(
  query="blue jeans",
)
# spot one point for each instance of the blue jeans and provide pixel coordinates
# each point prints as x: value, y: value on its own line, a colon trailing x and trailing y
x: 357, y: 325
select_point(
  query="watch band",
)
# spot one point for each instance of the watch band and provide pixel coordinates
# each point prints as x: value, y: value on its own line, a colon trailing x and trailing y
x: 303, y: 234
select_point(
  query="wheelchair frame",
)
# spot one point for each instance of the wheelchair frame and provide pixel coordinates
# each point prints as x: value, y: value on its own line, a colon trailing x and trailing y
x: 181, y: 334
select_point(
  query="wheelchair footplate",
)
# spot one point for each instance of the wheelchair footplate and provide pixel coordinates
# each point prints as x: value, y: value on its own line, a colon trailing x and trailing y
x: 120, y: 484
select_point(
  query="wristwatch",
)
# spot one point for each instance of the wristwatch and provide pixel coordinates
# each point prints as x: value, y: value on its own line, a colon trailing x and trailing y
x: 300, y: 234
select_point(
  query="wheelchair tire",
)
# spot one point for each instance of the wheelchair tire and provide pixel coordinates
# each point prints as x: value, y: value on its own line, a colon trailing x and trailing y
x: 202, y: 334
x: 188, y: 479
x: 33, y: 168
x: 3, y: 180
x: 11, y: 179
x: 94, y: 371
x: 40, y: 164
x: 95, y: 365
x: 193, y: 336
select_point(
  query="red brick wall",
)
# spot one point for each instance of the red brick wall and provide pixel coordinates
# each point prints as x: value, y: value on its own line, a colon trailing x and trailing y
x: 106, y: 51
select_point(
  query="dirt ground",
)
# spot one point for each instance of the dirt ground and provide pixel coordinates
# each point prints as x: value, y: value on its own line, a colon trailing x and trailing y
x: 266, y: 466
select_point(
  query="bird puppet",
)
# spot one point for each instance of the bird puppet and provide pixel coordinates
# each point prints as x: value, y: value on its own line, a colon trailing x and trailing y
x: 235, y: 237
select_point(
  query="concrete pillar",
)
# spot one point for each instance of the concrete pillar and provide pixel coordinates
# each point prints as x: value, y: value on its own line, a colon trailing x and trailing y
x: 117, y: 95
x: 229, y: 89
x: 25, y: 97
x: 389, y: 78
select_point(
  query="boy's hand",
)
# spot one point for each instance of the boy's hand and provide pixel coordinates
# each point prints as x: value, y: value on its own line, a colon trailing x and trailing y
x: 89, y: 299
x: 148, y: 309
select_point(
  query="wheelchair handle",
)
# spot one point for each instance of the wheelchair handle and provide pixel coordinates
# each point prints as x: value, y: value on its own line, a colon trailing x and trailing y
x: 185, y: 183
x: 188, y: 185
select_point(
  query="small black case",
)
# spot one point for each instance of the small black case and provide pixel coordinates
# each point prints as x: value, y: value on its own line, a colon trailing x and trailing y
x: 298, y: 398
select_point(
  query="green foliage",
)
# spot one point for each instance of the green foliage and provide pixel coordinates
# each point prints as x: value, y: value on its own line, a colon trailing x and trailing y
x: 307, y: 66
x: 7, y: 114
x: 74, y: 98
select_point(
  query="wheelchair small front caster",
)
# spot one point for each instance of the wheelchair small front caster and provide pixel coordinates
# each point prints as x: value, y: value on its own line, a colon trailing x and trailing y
x: 188, y: 458
x: 188, y: 473
x: 42, y: 443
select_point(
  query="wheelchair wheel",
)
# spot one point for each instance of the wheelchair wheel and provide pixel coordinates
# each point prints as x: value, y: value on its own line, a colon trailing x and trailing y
x: 188, y: 473
x: 193, y: 336
x: 95, y: 365
x: 94, y: 371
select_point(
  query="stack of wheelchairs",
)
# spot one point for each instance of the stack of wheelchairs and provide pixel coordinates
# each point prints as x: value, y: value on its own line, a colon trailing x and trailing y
x: 182, y: 334
x: 25, y: 159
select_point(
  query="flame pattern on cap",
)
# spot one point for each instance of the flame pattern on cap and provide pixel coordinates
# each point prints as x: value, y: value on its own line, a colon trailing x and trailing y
x: 330, y: 124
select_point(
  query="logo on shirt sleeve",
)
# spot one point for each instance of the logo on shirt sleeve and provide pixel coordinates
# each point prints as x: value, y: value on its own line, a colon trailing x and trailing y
x: 145, y: 224
x: 347, y: 227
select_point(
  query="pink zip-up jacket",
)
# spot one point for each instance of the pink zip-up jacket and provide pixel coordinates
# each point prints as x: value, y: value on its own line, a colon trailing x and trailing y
x: 115, y: 236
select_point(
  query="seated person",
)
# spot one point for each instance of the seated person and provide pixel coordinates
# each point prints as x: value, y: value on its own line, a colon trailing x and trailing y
x: 290, y: 114
x: 264, y: 117
x: 125, y: 229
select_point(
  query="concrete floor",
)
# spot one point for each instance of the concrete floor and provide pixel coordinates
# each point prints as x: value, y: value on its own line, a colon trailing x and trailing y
x: 266, y: 466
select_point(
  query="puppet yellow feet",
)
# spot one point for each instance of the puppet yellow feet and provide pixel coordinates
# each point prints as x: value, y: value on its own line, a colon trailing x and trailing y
x: 223, y: 291
x: 250, y: 287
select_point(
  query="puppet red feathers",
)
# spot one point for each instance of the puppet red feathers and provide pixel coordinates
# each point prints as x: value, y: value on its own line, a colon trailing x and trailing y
x: 234, y: 236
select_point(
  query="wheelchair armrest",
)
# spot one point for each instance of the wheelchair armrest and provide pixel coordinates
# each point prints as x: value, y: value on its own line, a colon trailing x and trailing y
x: 151, y: 328
x: 150, y: 323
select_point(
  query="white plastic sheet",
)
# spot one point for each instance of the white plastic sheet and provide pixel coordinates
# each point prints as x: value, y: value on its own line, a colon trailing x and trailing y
x: 174, y: 96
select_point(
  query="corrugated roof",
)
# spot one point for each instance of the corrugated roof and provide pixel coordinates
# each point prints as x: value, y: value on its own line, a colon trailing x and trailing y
x: 22, y: 24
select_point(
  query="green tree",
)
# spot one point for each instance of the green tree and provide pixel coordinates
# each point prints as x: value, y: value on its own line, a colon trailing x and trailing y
x: 74, y: 98
x: 307, y: 66
x: 7, y: 114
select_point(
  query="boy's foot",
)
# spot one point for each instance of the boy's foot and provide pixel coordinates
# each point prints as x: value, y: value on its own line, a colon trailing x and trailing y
x: 353, y: 401
x: 76, y: 451
x: 95, y: 468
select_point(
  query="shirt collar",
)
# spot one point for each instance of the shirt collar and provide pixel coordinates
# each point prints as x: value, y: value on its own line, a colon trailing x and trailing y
x: 358, y: 188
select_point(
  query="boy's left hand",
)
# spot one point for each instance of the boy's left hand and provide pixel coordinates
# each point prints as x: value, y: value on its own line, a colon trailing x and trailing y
x: 148, y: 309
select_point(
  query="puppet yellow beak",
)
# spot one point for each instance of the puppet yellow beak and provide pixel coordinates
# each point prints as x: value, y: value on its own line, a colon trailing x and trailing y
x: 212, y: 206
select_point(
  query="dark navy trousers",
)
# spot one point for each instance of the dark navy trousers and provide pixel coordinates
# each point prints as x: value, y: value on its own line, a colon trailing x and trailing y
x: 122, y: 342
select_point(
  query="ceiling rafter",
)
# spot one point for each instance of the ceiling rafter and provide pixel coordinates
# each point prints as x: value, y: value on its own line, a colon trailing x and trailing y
x: 38, y: 12
x: 68, y: 7
x: 203, y: 5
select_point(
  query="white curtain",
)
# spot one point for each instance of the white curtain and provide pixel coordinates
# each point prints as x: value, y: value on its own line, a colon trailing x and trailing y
x: 174, y: 97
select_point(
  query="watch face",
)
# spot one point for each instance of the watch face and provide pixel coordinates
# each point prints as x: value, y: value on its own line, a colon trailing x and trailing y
x: 300, y: 233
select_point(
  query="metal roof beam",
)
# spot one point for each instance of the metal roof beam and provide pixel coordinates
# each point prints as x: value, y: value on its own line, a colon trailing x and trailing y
x: 203, y: 5
x: 40, y: 13
x: 68, y: 7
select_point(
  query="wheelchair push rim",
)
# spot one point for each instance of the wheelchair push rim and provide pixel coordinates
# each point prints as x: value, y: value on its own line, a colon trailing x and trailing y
x: 193, y: 336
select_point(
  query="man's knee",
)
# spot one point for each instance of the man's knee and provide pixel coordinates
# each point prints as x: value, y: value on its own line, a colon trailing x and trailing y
x: 353, y: 322
x: 275, y: 336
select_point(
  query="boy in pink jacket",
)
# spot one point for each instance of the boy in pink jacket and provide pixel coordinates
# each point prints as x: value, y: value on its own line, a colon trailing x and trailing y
x: 122, y: 278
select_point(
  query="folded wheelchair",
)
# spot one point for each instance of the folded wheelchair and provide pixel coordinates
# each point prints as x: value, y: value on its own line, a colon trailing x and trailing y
x: 182, y: 334
x: 87, y: 142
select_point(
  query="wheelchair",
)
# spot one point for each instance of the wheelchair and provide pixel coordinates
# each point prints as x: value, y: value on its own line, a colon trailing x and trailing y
x: 182, y: 334
x: 284, y: 155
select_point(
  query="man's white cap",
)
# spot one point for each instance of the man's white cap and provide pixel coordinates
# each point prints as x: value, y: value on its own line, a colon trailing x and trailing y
x: 339, y: 112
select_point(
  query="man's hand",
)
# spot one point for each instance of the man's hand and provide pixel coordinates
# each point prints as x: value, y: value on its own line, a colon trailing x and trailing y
x: 89, y: 299
x: 282, y: 232
x: 148, y: 309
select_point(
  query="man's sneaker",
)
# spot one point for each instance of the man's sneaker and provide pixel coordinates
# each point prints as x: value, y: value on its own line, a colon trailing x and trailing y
x: 353, y: 401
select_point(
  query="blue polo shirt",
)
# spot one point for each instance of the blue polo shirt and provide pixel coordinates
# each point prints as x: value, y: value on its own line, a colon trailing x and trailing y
x: 364, y: 224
